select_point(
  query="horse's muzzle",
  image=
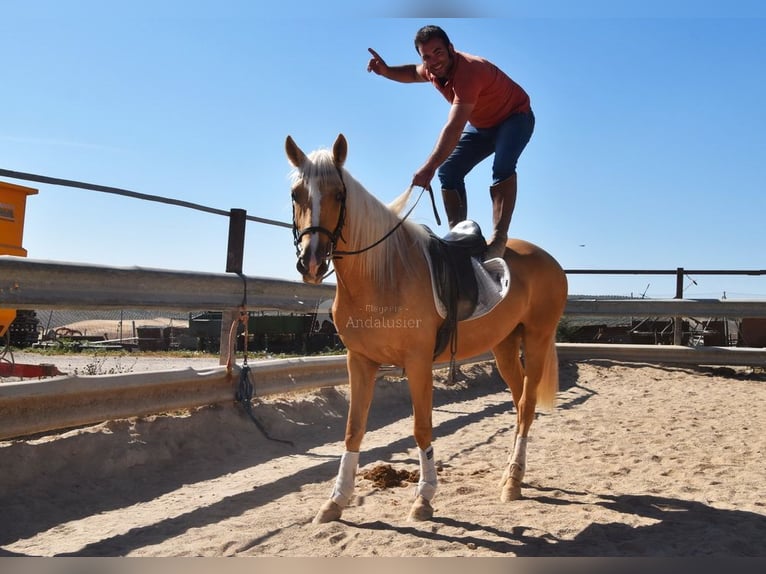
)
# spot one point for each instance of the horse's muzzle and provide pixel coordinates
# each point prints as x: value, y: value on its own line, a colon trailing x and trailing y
x: 312, y: 268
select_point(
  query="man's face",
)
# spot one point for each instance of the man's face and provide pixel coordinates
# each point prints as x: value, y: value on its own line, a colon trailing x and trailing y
x: 437, y: 57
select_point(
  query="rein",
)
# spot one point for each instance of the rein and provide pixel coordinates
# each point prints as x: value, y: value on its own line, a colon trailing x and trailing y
x: 337, y: 233
x: 338, y: 254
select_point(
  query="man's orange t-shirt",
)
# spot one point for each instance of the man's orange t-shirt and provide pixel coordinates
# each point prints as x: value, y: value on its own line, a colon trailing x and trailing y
x: 477, y: 81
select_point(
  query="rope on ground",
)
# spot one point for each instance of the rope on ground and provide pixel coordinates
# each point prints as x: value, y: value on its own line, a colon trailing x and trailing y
x: 246, y: 389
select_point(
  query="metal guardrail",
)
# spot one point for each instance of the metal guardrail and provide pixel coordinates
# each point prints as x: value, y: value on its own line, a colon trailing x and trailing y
x: 30, y: 407
x: 29, y: 284
x: 667, y: 307
x: 37, y: 406
x: 663, y: 354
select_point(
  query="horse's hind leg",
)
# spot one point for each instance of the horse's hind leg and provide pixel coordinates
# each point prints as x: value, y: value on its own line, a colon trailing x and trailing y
x: 507, y: 357
x: 361, y: 373
x: 539, y: 385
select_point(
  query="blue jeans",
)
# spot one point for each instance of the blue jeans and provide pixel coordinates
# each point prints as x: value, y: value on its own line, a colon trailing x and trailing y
x: 506, y: 140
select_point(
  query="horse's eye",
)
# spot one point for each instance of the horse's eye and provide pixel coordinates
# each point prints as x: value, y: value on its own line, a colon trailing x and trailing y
x: 340, y: 196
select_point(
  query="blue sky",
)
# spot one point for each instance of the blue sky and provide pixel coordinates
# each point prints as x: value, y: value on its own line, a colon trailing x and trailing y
x: 649, y: 150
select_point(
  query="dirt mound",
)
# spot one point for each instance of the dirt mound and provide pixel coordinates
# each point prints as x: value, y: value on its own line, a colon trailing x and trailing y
x: 385, y: 476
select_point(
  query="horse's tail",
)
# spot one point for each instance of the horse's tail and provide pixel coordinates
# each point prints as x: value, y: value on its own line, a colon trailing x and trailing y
x: 549, y: 383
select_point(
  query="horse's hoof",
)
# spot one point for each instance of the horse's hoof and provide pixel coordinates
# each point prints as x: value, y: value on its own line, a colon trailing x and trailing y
x: 421, y: 510
x: 329, y: 512
x: 510, y: 492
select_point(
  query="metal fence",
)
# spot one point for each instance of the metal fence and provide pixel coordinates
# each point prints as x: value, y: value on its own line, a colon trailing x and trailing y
x: 41, y: 405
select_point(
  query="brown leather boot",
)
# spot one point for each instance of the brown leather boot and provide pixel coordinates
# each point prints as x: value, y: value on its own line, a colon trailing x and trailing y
x: 455, y: 206
x: 503, y: 196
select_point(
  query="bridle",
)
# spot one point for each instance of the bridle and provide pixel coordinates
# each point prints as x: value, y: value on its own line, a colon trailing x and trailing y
x: 337, y: 233
x: 334, y: 235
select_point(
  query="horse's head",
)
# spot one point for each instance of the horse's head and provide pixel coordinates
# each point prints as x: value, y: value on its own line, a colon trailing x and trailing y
x: 319, y: 205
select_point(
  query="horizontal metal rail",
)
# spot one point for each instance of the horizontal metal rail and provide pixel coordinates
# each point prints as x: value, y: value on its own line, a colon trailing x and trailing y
x: 663, y: 354
x: 34, y: 284
x: 29, y: 284
x: 37, y: 406
x: 134, y: 194
x: 667, y: 307
x: 31, y: 407
x: 677, y: 271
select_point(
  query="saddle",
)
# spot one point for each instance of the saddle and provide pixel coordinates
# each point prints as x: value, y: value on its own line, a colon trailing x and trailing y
x: 454, y: 278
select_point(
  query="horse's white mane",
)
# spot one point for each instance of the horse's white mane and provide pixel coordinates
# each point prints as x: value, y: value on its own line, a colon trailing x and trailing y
x: 367, y: 220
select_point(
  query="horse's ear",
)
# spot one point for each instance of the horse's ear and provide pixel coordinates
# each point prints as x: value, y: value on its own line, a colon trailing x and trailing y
x: 340, y: 150
x: 294, y: 153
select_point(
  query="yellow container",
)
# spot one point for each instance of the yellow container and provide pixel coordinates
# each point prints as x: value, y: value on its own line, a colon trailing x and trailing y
x: 13, y: 201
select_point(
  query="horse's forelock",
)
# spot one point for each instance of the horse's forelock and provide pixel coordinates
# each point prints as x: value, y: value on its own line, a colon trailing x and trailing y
x: 319, y: 164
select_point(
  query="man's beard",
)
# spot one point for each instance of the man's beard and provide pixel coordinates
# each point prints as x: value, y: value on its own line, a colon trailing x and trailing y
x: 445, y: 72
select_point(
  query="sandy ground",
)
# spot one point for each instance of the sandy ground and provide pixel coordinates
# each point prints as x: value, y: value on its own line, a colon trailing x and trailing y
x: 637, y: 460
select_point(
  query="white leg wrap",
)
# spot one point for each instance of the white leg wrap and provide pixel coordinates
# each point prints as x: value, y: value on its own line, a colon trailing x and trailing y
x: 519, y: 456
x: 344, y: 483
x: 427, y: 484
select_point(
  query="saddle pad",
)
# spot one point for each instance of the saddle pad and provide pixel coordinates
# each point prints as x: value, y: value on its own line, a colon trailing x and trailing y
x: 494, y: 280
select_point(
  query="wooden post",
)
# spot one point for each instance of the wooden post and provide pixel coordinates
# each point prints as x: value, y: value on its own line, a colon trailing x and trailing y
x: 234, y: 257
x: 236, y: 246
x: 228, y: 347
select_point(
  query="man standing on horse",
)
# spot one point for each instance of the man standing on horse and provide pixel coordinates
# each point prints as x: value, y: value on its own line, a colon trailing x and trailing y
x: 490, y: 113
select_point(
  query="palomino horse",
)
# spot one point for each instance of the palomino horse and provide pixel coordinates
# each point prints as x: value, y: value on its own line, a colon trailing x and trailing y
x: 385, y: 313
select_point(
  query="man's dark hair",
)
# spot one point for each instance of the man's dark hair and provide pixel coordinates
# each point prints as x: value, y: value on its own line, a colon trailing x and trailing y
x: 430, y: 32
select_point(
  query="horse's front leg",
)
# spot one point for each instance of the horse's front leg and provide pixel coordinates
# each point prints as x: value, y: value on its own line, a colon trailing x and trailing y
x: 361, y: 375
x: 420, y: 380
